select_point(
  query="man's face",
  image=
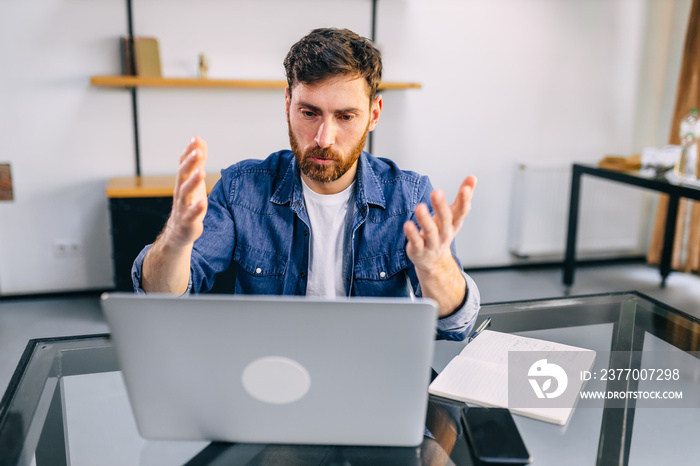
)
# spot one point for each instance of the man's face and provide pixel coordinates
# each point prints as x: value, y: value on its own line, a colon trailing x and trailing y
x: 328, y: 125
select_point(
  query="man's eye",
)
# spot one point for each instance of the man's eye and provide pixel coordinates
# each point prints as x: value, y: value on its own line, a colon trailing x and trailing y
x: 307, y: 113
x: 346, y: 117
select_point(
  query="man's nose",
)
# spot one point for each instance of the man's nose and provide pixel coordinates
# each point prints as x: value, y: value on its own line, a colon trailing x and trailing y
x: 326, y: 134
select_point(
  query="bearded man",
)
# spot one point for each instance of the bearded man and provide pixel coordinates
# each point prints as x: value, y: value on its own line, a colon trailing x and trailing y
x: 324, y: 219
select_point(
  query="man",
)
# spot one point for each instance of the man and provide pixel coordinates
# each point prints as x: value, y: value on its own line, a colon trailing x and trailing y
x: 324, y: 219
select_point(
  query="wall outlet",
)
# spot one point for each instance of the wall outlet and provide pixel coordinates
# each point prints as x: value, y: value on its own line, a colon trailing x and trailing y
x: 66, y: 248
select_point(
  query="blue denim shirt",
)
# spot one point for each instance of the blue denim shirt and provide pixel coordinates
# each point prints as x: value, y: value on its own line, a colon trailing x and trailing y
x: 256, y: 221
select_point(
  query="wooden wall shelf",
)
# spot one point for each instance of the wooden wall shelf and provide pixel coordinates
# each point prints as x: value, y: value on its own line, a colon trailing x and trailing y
x: 149, y: 186
x: 136, y: 81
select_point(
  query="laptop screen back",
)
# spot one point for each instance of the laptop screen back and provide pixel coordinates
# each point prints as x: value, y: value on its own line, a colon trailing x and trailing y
x: 275, y: 369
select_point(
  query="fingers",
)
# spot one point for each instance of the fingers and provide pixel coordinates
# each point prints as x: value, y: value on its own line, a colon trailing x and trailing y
x: 438, y: 230
x: 415, y: 240
x: 195, y: 211
x: 190, y: 190
x: 443, y: 215
x: 195, y: 143
x: 185, y: 223
x: 194, y: 158
x: 429, y: 229
x: 190, y: 194
x: 462, y: 204
x: 191, y: 161
x: 435, y: 230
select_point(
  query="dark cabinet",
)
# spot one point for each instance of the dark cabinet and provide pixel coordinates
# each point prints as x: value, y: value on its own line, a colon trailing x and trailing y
x: 139, y: 208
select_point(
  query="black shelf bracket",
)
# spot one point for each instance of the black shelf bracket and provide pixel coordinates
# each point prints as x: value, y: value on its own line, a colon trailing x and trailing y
x: 373, y: 37
x: 134, y: 99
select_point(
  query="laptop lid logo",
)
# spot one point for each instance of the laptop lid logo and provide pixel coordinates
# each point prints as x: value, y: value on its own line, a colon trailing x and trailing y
x: 276, y: 380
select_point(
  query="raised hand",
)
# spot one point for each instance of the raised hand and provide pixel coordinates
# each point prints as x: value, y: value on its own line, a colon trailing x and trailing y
x: 189, y: 197
x: 429, y: 247
x: 166, y: 267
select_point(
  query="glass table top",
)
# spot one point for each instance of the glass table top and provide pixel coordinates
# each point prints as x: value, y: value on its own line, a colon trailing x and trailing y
x: 67, y: 404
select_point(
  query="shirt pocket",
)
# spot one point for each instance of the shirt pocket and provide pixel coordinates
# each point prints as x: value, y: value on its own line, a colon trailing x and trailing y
x: 259, y: 271
x: 382, y: 275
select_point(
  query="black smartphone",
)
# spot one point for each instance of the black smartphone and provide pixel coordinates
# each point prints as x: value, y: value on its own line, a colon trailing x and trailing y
x: 493, y: 436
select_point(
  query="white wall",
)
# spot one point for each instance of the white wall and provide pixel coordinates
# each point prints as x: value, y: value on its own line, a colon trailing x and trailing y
x: 504, y: 81
x: 508, y: 82
x: 63, y: 139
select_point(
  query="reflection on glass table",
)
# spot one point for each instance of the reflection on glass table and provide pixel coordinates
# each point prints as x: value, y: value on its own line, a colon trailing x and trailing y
x: 67, y: 403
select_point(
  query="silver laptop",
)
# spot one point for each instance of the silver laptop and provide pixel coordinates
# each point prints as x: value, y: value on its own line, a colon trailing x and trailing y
x: 275, y: 369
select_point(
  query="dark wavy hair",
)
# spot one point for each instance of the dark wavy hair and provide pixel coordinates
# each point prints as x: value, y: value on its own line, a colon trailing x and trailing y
x: 329, y: 52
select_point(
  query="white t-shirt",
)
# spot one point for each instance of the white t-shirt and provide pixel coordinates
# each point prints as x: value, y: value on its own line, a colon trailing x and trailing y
x: 327, y: 218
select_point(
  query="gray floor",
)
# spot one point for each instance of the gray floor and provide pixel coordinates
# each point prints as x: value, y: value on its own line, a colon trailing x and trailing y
x: 23, y: 319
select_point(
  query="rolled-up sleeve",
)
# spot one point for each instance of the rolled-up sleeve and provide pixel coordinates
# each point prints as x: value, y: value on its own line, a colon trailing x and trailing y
x: 457, y: 325
x: 137, y: 271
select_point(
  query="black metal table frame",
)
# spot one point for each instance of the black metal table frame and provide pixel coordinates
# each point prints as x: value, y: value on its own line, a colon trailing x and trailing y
x: 674, y: 191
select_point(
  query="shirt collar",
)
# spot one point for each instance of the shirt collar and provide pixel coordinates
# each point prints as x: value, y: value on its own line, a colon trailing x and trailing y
x: 284, y: 192
x: 368, y: 191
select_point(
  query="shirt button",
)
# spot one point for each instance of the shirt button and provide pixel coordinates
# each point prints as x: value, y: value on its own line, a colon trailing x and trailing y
x: 258, y: 270
x: 303, y: 275
x: 382, y: 274
x: 306, y: 233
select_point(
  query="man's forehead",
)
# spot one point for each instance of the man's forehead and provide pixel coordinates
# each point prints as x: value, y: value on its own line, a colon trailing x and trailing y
x: 346, y: 88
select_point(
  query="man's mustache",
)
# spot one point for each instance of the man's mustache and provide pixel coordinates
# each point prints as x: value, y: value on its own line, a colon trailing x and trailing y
x: 322, y: 153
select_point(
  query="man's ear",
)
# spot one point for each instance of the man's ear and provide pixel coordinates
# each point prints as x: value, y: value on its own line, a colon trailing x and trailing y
x: 287, y: 99
x: 375, y: 111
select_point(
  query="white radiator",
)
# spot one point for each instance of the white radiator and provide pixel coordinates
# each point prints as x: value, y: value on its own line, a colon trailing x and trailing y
x: 612, y: 216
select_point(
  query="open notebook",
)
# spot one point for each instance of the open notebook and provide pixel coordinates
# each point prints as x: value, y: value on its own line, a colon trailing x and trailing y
x: 479, y: 375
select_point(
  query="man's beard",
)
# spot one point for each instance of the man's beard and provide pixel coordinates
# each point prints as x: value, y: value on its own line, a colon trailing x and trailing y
x: 329, y: 172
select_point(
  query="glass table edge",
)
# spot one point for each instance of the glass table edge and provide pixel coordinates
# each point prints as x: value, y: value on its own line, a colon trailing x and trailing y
x: 630, y: 293
x: 25, y: 360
